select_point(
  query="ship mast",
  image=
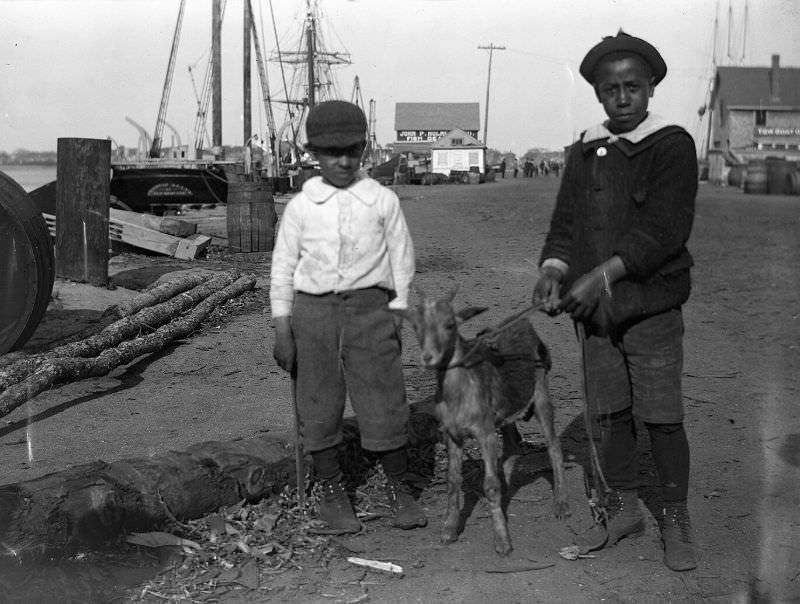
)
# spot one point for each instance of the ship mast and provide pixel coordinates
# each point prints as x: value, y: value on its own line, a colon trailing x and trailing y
x: 312, y: 81
x: 311, y: 32
x: 216, y: 79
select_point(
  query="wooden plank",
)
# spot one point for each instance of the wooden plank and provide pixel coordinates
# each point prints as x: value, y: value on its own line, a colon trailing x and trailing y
x: 163, y: 224
x: 187, y: 248
x: 143, y: 237
x: 83, y: 177
x: 191, y: 247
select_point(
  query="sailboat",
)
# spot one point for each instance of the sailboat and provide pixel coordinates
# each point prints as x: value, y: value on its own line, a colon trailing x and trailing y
x: 162, y: 180
x: 310, y: 82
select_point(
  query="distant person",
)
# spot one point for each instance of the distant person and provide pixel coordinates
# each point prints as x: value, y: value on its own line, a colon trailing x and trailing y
x: 343, y: 256
x: 615, y: 259
x: 556, y: 167
x: 503, y: 168
x: 515, y: 167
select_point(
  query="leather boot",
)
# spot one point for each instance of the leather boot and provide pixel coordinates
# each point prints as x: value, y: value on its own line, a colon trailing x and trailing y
x: 676, y: 534
x: 335, y: 508
x: 625, y: 519
x: 407, y: 512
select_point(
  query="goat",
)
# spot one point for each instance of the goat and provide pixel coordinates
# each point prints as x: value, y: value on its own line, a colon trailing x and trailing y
x: 475, y: 397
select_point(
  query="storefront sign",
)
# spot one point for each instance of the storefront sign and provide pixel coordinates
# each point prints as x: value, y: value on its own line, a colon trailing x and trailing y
x: 778, y: 131
x: 419, y: 136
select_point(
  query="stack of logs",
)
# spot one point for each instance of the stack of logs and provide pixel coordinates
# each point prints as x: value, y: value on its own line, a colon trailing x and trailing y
x: 143, y: 325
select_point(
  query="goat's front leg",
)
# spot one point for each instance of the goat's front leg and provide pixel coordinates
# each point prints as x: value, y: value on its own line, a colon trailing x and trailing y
x: 491, y: 488
x: 455, y: 494
x: 544, y: 413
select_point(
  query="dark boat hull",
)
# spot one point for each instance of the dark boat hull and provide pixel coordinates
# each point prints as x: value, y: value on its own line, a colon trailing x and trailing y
x: 159, y: 189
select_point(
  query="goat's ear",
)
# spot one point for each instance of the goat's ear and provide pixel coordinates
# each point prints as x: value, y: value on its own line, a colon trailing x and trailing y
x: 409, y: 314
x: 467, y: 313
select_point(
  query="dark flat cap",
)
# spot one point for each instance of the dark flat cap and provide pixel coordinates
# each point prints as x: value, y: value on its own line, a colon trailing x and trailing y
x: 623, y: 42
x: 336, y: 124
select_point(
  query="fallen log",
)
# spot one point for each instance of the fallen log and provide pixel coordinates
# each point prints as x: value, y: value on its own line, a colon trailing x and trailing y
x: 146, y: 319
x: 93, y: 504
x: 61, y: 370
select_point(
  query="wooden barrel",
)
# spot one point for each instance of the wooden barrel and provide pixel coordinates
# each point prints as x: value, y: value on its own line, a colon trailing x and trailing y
x: 792, y: 185
x: 27, y: 267
x: 736, y: 176
x: 251, y: 217
x: 756, y: 180
x: 778, y: 169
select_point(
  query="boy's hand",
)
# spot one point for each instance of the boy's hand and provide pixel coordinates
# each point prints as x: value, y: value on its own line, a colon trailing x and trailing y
x: 546, y: 290
x: 284, y: 351
x: 594, y: 288
x: 583, y: 297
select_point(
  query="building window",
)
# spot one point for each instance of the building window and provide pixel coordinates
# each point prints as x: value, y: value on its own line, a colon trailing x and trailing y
x: 473, y: 158
x: 458, y: 141
x: 761, y: 117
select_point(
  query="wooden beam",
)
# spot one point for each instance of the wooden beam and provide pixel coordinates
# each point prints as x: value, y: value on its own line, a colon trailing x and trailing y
x: 83, y: 177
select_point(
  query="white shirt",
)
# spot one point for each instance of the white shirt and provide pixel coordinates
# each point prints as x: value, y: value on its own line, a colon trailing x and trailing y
x: 331, y: 240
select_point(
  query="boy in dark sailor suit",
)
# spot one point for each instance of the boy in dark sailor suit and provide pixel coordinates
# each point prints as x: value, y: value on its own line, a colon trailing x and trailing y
x: 615, y: 260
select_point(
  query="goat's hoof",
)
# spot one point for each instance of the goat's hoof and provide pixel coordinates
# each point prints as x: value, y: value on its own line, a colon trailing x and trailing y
x: 448, y: 537
x: 503, y: 548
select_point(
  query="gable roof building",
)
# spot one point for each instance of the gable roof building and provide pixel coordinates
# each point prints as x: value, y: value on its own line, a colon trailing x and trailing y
x: 418, y: 125
x: 437, y: 117
x: 755, y: 111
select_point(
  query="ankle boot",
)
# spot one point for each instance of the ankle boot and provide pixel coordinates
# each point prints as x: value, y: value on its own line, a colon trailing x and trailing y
x: 335, y: 508
x: 625, y: 519
x: 676, y: 534
x: 407, y: 512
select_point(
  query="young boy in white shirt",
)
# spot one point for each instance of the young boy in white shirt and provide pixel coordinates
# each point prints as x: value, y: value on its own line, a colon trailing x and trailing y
x: 343, y: 256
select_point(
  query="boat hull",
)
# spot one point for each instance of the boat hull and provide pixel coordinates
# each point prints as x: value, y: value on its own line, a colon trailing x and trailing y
x: 160, y: 189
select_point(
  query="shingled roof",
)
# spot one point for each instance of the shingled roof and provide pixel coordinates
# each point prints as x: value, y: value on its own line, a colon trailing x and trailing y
x: 751, y: 87
x: 437, y: 116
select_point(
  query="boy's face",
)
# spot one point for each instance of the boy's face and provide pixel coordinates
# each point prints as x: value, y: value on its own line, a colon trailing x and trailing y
x: 339, y: 165
x: 624, y: 85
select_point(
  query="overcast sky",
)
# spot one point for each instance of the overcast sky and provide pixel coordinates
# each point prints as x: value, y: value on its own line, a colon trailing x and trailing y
x: 77, y: 68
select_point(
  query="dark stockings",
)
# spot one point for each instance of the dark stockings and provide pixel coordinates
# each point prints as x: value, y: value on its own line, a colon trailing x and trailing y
x: 669, y: 446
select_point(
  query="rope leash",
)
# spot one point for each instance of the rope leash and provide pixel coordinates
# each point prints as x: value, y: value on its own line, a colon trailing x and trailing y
x: 505, y: 324
x: 596, y: 502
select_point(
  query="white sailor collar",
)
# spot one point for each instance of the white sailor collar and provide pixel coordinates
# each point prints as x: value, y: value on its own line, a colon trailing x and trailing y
x: 652, y: 123
x: 365, y: 189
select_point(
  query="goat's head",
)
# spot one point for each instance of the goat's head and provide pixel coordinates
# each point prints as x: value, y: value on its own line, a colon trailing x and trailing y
x: 435, y: 324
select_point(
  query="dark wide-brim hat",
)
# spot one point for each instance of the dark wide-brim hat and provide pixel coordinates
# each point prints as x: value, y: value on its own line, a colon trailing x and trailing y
x: 623, y: 42
x: 336, y: 124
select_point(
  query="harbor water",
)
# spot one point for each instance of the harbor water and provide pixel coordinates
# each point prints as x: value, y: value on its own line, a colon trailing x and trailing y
x: 30, y: 177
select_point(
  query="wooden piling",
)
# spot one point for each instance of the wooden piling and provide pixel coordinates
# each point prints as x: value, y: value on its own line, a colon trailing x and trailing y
x: 83, y: 177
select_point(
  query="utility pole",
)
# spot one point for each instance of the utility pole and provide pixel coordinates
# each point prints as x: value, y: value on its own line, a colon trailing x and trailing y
x: 491, y: 48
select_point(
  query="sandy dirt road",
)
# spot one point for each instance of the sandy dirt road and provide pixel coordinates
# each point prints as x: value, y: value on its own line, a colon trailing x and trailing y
x: 741, y: 389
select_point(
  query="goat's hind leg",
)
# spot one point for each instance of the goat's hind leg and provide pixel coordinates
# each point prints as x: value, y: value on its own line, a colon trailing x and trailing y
x: 543, y: 405
x: 492, y: 490
x: 511, y: 450
x: 455, y: 495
